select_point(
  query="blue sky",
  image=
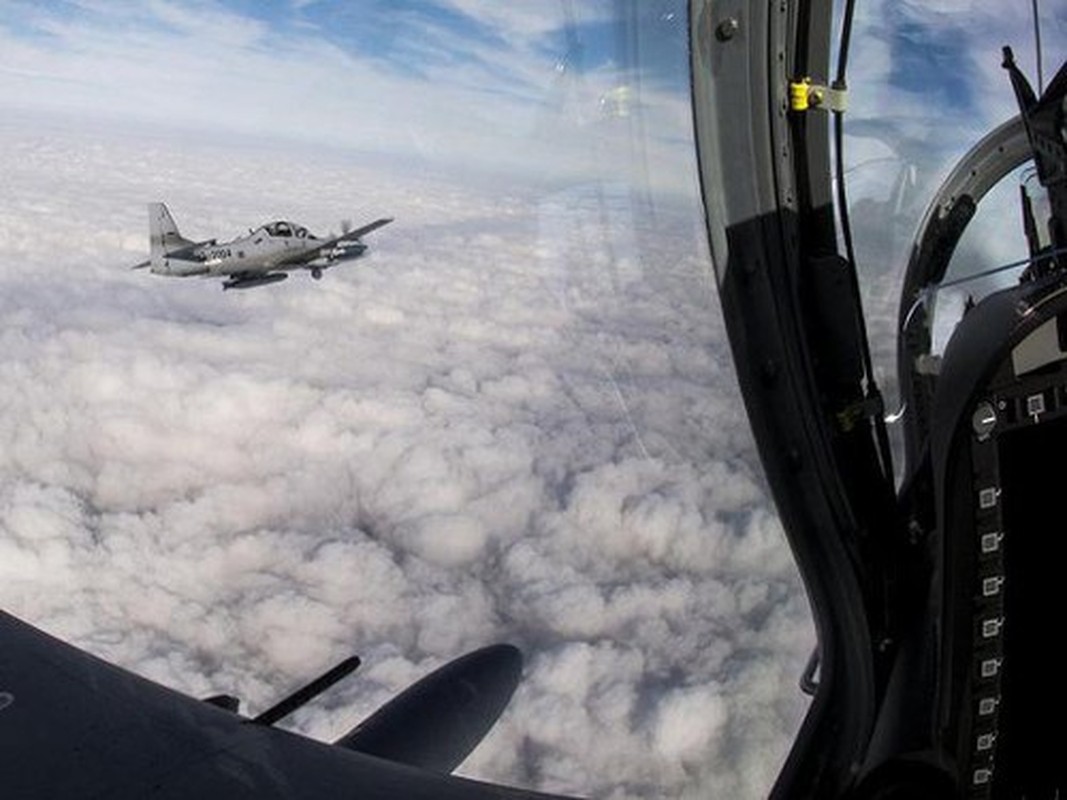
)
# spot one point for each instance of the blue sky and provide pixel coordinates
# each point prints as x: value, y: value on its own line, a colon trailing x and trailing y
x: 941, y: 58
x: 450, y: 81
x: 365, y: 71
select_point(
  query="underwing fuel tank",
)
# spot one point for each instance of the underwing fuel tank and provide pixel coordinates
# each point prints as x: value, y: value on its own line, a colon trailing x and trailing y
x: 259, y: 280
x: 435, y: 723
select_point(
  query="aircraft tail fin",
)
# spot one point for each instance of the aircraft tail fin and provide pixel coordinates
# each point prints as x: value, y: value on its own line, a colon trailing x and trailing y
x: 163, y: 234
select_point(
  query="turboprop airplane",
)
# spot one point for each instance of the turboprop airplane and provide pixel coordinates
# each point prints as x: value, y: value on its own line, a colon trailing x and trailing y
x: 266, y: 255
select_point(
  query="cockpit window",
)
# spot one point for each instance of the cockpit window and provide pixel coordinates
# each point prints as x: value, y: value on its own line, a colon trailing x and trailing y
x: 513, y: 418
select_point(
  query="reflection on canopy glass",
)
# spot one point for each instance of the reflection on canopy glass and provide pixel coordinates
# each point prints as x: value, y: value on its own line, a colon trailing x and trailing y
x: 927, y: 86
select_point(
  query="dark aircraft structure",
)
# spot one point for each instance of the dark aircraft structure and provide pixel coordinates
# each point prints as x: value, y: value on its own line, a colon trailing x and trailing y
x: 73, y: 726
x: 266, y: 255
x: 936, y: 602
x: 936, y: 597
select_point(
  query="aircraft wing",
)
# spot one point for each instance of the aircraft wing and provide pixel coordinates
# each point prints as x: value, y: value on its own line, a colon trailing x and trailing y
x: 142, y: 265
x: 74, y: 726
x: 349, y: 236
x: 358, y: 232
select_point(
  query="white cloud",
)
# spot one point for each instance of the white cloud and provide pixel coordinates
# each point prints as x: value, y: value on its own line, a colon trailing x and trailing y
x: 687, y: 722
x: 527, y: 21
x: 491, y: 428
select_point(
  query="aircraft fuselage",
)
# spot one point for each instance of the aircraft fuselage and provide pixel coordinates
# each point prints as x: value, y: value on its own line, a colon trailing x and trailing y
x: 266, y: 255
x: 273, y: 246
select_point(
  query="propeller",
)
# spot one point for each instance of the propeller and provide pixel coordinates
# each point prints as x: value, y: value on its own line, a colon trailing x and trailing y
x: 346, y: 226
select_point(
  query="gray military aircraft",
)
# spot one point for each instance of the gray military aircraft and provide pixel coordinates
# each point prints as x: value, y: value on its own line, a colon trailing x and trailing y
x: 266, y: 255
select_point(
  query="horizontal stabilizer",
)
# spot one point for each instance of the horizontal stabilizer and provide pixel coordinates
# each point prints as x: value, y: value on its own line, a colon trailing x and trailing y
x: 435, y: 723
x: 142, y: 265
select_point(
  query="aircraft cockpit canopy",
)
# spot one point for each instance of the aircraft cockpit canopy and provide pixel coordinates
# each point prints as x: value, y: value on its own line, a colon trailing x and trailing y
x: 287, y: 230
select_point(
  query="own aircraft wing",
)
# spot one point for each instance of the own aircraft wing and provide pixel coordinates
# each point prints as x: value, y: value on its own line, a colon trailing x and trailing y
x: 74, y: 726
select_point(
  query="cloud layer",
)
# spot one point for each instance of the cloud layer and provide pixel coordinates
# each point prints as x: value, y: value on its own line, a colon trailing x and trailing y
x: 514, y: 420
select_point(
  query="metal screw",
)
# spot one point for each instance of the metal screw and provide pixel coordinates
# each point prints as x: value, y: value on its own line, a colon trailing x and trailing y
x: 727, y: 29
